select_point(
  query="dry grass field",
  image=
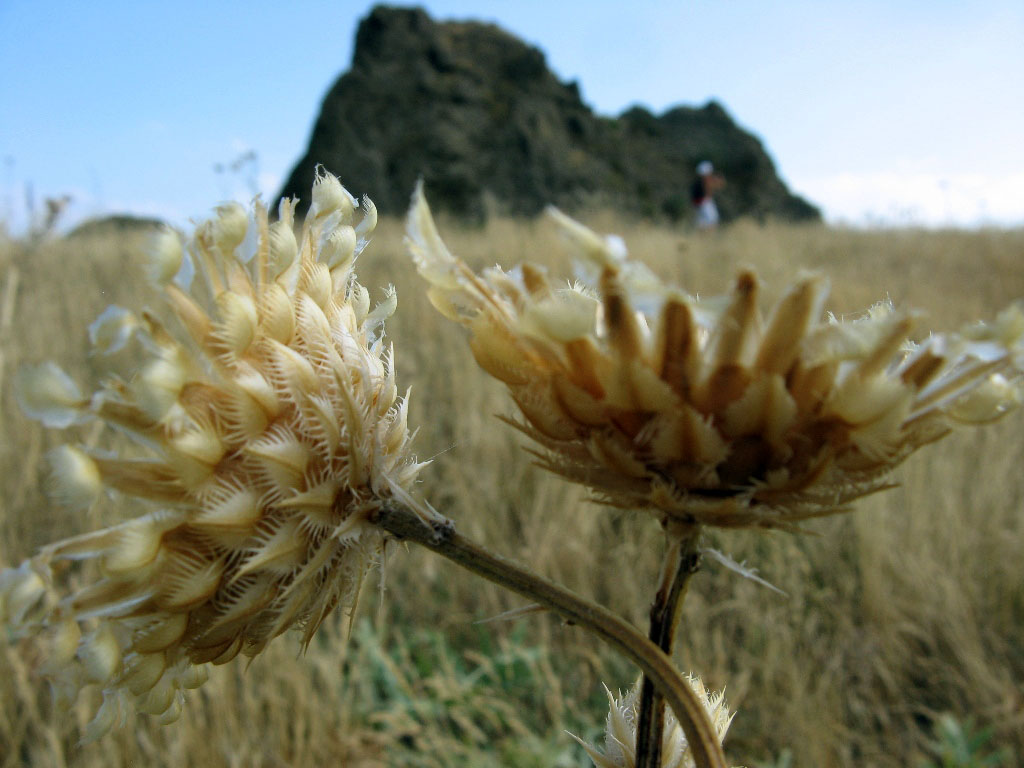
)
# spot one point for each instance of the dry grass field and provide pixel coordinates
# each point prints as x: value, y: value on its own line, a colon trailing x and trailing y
x: 911, y: 607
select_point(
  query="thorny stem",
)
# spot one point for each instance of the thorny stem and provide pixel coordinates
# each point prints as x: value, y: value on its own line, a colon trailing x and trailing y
x: 447, y: 542
x: 682, y: 560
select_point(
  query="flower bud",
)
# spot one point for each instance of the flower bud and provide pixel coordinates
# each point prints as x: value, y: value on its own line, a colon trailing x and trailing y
x: 369, y: 223
x: 283, y: 249
x: 230, y: 227
x: 194, y: 453
x: 63, y: 638
x: 330, y: 196
x: 360, y: 299
x: 109, y: 332
x: 110, y: 713
x: 238, y: 321
x: 277, y: 314
x: 100, y: 654
x: 158, y: 700
x: 384, y: 309
x: 339, y: 247
x: 165, y: 256
x: 138, y: 542
x: 161, y: 634
x: 157, y: 386
x: 20, y: 591
x: 49, y: 395
x: 193, y: 676
x: 173, y: 712
x: 989, y: 400
x: 145, y: 673
x: 74, y: 477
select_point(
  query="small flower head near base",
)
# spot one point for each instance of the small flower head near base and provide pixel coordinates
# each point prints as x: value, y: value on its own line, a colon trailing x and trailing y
x: 620, y: 729
x: 268, y: 430
x: 699, y: 409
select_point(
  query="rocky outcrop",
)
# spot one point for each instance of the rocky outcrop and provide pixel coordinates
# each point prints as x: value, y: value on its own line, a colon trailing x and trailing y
x: 479, y: 116
x: 118, y: 224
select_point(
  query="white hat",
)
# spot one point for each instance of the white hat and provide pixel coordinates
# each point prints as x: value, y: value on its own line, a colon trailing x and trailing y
x: 705, y: 168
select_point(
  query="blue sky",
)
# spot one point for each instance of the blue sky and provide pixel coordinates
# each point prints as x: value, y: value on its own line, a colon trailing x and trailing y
x: 880, y: 112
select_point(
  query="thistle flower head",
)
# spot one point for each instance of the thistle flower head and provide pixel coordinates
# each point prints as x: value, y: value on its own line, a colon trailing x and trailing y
x: 267, y: 430
x: 620, y: 729
x: 701, y: 410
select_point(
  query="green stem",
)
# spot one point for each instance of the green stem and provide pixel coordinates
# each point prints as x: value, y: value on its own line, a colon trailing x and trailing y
x: 682, y: 560
x: 443, y: 539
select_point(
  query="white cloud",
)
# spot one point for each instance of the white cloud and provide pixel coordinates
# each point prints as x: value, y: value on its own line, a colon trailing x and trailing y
x: 918, y: 198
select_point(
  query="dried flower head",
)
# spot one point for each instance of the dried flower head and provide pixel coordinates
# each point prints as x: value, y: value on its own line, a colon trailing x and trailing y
x: 695, y: 408
x: 620, y: 729
x: 267, y: 430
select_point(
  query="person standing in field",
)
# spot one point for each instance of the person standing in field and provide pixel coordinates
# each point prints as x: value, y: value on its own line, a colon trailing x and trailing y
x: 702, y: 195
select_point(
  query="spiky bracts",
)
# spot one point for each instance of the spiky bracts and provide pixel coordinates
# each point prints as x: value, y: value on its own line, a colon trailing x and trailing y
x: 267, y: 429
x: 620, y: 729
x: 699, y: 410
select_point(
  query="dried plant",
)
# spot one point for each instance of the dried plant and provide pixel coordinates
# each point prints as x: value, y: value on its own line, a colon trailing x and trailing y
x: 275, y: 464
x: 269, y: 430
x: 698, y: 410
x: 270, y: 456
x: 620, y: 741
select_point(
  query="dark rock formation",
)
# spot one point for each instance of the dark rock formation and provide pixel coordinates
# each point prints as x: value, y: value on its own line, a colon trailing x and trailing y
x: 478, y: 114
x: 118, y: 224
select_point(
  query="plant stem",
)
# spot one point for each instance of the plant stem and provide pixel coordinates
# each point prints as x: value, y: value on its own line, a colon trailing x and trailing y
x: 443, y: 539
x: 682, y: 560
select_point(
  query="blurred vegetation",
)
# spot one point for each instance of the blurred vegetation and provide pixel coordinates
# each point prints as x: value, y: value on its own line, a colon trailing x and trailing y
x: 960, y: 745
x: 899, y: 616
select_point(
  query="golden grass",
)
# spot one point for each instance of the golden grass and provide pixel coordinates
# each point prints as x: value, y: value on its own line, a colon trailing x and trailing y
x: 910, y: 607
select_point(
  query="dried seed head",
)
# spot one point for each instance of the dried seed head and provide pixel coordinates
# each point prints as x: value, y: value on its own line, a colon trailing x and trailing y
x: 274, y: 432
x: 620, y: 729
x: 698, y: 410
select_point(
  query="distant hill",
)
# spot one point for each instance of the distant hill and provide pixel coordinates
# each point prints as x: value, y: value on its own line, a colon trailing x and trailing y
x: 477, y: 113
